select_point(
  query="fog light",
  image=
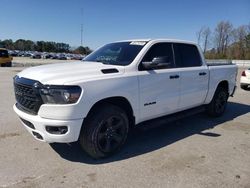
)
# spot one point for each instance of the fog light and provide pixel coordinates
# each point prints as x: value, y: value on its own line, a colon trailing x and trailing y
x: 37, y: 135
x: 57, y: 129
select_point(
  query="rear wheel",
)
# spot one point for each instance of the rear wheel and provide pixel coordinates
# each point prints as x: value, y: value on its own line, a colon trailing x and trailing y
x: 219, y: 102
x: 105, y: 131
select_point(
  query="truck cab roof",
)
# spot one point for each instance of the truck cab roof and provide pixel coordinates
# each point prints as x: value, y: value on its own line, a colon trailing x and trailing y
x: 159, y: 40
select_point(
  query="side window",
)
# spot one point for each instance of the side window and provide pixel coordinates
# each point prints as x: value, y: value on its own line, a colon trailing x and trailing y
x: 4, y: 53
x: 187, y: 55
x: 163, y: 50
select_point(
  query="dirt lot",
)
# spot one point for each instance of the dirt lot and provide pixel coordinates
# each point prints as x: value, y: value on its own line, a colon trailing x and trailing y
x: 194, y: 152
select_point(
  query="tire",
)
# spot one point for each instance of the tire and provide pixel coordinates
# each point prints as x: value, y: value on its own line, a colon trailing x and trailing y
x: 244, y: 87
x: 105, y: 131
x: 9, y: 64
x: 219, y: 102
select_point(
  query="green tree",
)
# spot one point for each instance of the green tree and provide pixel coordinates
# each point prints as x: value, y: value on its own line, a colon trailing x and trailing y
x: 80, y: 50
x: 20, y: 44
x: 7, y: 44
x: 41, y: 46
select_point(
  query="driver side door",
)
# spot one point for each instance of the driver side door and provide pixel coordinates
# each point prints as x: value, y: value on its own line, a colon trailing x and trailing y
x: 160, y: 86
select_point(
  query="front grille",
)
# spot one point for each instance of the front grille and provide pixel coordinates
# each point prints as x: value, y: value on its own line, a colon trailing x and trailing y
x: 27, y: 98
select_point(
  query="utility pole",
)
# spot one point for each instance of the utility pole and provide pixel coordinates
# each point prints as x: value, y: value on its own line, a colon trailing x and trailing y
x: 81, y: 34
x: 81, y: 26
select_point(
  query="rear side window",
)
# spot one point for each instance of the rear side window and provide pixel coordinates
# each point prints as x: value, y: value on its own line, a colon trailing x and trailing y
x: 187, y: 55
x: 4, y: 53
x: 163, y: 50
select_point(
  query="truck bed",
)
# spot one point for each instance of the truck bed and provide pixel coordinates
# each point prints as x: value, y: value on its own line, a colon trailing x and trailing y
x: 221, y: 72
x: 217, y: 62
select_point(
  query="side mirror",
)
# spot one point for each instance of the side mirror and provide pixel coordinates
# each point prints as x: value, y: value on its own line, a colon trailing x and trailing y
x: 157, y: 62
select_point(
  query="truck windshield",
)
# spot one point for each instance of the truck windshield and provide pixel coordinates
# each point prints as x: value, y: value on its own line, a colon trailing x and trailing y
x: 120, y: 53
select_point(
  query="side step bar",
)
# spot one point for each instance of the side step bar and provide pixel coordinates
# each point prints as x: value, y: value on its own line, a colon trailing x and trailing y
x: 170, y: 118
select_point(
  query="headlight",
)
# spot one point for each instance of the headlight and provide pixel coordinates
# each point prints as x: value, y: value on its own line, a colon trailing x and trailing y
x: 60, y: 94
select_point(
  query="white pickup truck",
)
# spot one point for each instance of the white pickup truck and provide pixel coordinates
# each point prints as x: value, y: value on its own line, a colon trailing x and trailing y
x: 120, y: 85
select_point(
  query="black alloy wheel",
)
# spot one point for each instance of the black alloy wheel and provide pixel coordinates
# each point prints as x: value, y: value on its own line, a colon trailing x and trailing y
x: 111, y: 134
x: 220, y: 102
x: 104, y: 131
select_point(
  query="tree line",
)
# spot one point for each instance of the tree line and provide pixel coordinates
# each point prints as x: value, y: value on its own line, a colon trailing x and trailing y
x: 42, y: 46
x: 225, y: 42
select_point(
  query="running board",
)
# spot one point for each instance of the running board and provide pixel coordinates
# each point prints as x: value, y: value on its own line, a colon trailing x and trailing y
x: 169, y: 118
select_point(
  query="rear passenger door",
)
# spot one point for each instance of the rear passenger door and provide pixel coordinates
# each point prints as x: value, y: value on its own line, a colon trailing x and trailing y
x: 194, y: 75
x: 159, y: 87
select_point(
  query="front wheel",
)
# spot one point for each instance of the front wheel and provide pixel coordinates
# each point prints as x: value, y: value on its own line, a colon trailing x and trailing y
x: 219, y: 102
x: 105, y: 131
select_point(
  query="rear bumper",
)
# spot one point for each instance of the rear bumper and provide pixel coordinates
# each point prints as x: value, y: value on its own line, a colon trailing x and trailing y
x: 36, y: 126
x: 244, y: 80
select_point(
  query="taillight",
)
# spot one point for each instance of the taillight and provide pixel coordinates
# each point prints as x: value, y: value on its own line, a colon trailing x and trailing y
x: 243, y: 73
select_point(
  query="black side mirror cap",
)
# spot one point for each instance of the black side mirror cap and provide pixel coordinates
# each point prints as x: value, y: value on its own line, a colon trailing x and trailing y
x: 157, y: 62
x: 147, y: 65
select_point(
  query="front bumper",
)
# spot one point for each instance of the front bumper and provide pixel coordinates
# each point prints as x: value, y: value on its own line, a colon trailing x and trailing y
x: 39, y: 127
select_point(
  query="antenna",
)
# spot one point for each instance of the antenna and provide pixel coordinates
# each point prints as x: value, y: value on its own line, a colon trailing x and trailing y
x: 81, y: 26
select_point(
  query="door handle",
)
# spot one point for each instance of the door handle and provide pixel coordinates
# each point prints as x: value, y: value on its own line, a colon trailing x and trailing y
x: 174, y: 76
x: 202, y: 73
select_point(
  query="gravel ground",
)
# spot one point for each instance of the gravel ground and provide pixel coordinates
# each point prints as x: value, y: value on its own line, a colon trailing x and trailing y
x: 193, y: 152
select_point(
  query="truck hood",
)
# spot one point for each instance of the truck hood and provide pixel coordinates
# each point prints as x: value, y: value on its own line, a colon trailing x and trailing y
x: 63, y: 73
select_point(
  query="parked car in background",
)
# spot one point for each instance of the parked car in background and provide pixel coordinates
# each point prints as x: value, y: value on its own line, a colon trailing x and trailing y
x: 36, y: 56
x: 20, y: 54
x: 77, y: 57
x: 245, y: 79
x: 61, y: 57
x: 5, y: 58
x: 53, y: 56
x: 27, y: 54
x: 46, y: 56
x: 69, y: 56
x: 13, y: 53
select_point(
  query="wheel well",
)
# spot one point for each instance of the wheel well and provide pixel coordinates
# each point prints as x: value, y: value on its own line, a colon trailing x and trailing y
x: 224, y: 84
x: 121, y: 102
